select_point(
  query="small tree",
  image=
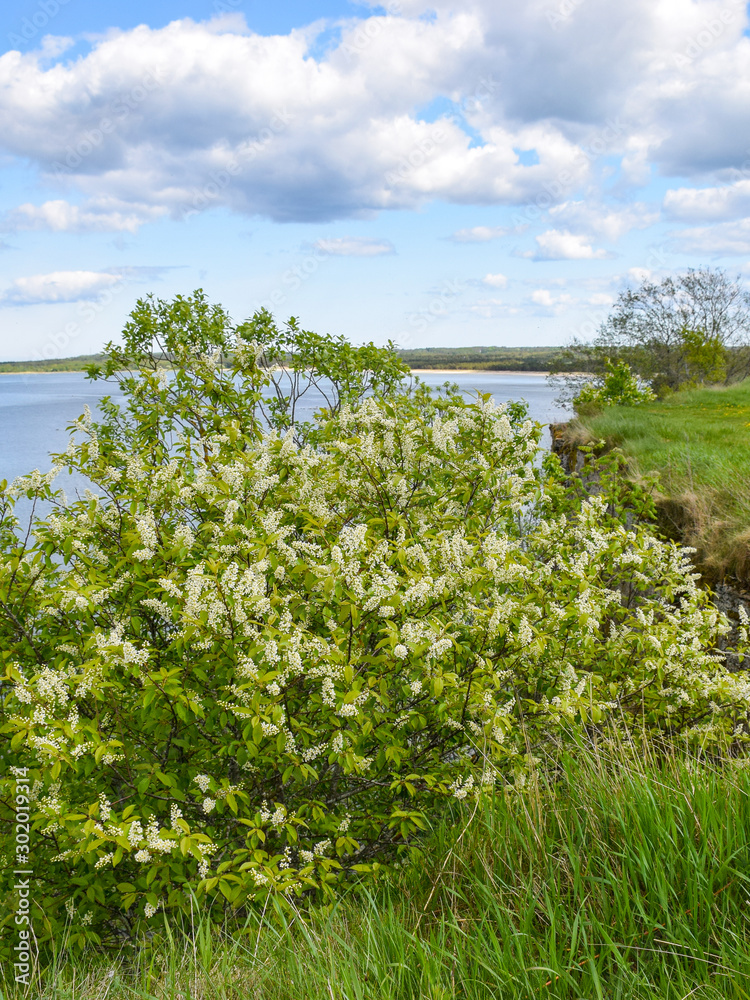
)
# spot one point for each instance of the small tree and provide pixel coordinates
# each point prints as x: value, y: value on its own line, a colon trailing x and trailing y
x: 686, y: 330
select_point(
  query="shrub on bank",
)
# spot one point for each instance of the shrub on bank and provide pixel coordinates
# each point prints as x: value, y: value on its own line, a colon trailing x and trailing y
x: 618, y: 386
x: 257, y: 655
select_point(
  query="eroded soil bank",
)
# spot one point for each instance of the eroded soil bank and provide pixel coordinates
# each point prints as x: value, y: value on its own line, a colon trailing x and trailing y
x: 729, y: 593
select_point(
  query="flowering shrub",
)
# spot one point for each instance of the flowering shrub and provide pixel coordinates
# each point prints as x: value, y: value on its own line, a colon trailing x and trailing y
x: 619, y: 386
x: 243, y: 666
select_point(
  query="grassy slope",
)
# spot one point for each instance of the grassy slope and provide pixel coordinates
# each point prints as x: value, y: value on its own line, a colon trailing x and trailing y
x: 699, y: 443
x: 626, y: 879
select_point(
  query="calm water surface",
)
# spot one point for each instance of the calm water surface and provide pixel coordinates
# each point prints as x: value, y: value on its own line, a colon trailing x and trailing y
x: 36, y: 409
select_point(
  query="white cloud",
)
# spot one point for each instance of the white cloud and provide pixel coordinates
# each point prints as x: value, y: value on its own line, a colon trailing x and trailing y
x: 355, y: 246
x: 558, y: 244
x: 495, y: 280
x: 59, y: 286
x: 259, y: 125
x: 60, y: 216
x: 549, y: 303
x: 480, y: 234
x: 601, y: 221
x: 493, y: 309
x: 264, y: 125
x: 712, y: 204
x: 727, y: 239
x: 637, y: 275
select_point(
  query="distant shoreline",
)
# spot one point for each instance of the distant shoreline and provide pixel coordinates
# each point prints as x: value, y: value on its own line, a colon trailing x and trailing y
x: 416, y: 371
x: 481, y: 371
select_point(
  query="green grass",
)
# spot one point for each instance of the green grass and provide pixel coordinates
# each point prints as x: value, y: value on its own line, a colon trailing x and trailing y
x: 617, y: 878
x: 699, y: 444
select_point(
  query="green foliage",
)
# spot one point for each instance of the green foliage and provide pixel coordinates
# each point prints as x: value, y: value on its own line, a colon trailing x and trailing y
x: 254, y: 659
x: 619, y: 386
x: 607, y: 875
x: 706, y: 358
x: 297, y: 361
x: 616, y: 385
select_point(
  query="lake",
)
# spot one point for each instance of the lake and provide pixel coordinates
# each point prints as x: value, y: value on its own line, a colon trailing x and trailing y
x: 36, y: 409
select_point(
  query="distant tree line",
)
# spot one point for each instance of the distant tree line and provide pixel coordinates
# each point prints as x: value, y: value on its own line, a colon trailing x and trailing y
x: 77, y: 364
x: 528, y: 359
x: 486, y: 358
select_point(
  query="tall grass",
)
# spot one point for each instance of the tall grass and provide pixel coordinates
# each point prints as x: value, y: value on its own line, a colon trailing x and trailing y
x: 613, y: 876
x: 699, y: 444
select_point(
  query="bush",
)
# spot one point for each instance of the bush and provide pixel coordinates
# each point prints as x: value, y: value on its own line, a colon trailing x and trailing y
x: 619, y: 386
x: 246, y: 665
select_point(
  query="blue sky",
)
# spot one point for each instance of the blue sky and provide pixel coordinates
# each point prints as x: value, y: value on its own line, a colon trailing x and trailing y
x: 438, y: 174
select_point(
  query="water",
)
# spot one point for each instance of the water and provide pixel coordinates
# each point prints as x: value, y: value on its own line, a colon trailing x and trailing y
x: 36, y: 409
x: 514, y: 386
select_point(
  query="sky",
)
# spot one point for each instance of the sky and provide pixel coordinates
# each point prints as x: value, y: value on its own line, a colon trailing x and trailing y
x: 482, y: 172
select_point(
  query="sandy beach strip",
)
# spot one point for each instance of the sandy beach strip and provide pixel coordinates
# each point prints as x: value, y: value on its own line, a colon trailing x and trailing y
x: 477, y: 371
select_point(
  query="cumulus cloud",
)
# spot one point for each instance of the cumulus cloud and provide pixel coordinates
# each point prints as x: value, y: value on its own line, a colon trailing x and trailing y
x: 77, y: 286
x: 260, y: 125
x: 600, y: 299
x: 355, y: 246
x: 556, y: 244
x: 480, y: 234
x: 191, y: 116
x: 637, y: 275
x: 58, y: 286
x: 711, y: 204
x: 495, y: 280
